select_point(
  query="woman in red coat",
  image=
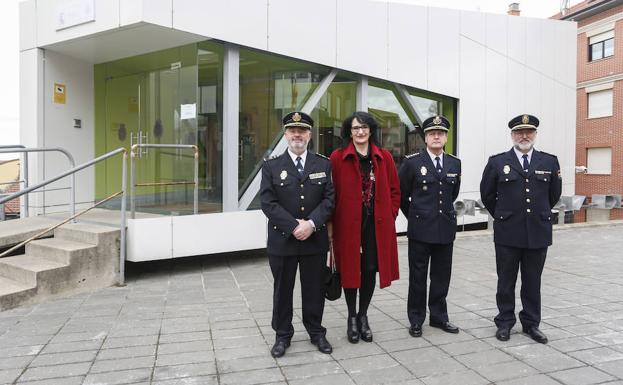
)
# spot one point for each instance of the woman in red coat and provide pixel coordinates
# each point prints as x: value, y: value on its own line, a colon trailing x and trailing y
x: 367, y: 200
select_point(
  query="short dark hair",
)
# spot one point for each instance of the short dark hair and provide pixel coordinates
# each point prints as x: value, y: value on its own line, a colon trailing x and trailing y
x: 363, y: 118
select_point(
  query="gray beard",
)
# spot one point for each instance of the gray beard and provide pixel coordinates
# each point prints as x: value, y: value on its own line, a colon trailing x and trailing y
x: 523, y: 147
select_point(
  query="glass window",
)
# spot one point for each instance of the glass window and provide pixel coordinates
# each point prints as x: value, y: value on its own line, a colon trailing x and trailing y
x: 608, y: 47
x: 601, y: 49
x: 389, y: 111
x: 210, y: 125
x: 336, y: 104
x: 270, y: 87
x: 428, y: 104
x: 149, y: 98
x: 600, y: 104
x: 599, y: 160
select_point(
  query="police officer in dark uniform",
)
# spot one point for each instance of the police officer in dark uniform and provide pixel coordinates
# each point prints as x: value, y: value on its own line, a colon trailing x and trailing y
x: 519, y: 188
x: 429, y: 184
x: 297, y: 197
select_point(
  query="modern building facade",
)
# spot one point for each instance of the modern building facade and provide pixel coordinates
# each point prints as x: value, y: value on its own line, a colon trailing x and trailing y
x: 599, y: 140
x: 102, y: 74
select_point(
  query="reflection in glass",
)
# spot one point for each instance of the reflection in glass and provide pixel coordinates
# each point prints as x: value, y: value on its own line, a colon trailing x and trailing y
x: 394, y: 122
x: 270, y: 87
x: 153, y: 98
x: 335, y: 105
x: 608, y: 47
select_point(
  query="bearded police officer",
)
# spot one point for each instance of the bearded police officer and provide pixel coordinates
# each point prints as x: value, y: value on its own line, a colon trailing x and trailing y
x: 519, y: 188
x: 297, y: 197
x: 429, y: 184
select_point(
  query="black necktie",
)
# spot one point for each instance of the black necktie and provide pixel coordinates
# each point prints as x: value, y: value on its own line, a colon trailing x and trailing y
x: 526, y: 165
x: 299, y: 165
x: 438, y: 166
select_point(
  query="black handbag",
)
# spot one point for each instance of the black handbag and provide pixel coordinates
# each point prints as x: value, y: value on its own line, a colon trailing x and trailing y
x: 332, y: 282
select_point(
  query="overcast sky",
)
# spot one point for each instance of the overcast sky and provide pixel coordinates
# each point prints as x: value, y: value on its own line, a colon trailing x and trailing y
x: 9, y: 66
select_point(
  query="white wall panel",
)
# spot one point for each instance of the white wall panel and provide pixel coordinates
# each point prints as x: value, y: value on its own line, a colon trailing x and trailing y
x: 150, y: 11
x: 407, y: 41
x: 288, y: 36
x: 443, y: 51
x: 106, y: 18
x: 566, y: 53
x: 149, y: 239
x: 516, y: 88
x: 496, y: 27
x: 31, y: 113
x: 533, y: 92
x: 362, y: 37
x: 547, y: 132
x: 58, y: 125
x: 547, y: 45
x: 237, y: 21
x: 239, y: 230
x: 516, y: 38
x: 496, y: 101
x: 534, y: 54
x: 472, y: 112
x: 473, y: 26
x: 27, y: 29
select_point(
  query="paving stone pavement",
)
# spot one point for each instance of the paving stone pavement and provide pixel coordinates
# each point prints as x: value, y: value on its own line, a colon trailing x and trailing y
x: 206, y: 320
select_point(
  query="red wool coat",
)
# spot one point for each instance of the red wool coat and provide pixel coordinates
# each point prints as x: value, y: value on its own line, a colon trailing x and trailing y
x: 347, y: 214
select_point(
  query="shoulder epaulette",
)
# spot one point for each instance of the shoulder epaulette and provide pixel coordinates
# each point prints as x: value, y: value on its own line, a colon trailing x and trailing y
x: 454, y: 156
x: 322, y: 156
x: 547, y: 153
x: 271, y: 158
x: 501, y: 153
x: 412, y: 155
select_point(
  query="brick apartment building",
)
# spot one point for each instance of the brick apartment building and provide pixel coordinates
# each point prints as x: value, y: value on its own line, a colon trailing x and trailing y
x: 599, y: 131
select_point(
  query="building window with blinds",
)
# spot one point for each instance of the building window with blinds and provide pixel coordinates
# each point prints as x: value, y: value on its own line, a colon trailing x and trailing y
x: 601, y: 46
x: 599, y: 103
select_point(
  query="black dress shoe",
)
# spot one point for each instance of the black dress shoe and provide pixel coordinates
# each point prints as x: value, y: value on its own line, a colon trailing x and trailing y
x: 415, y: 330
x: 503, y: 334
x: 352, y: 332
x: 279, y: 348
x: 535, y: 334
x: 446, y: 326
x: 323, y: 345
x: 364, y: 328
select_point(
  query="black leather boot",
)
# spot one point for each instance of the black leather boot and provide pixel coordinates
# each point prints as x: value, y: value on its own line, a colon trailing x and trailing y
x: 364, y: 328
x: 352, y: 331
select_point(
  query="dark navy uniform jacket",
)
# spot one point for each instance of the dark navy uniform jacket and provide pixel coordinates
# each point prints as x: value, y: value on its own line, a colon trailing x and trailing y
x: 287, y: 196
x: 427, y: 197
x: 520, y: 202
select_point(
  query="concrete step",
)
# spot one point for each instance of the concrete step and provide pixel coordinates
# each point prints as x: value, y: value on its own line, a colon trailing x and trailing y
x: 59, y: 250
x: 13, y: 293
x: 85, y: 232
x: 29, y: 270
x: 15, y: 231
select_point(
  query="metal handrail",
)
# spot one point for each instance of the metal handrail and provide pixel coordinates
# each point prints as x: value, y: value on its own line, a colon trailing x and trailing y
x: 25, y: 169
x: 25, y: 151
x: 122, y: 247
x: 153, y: 145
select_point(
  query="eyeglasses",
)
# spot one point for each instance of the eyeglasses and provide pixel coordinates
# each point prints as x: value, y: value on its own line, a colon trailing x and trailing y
x: 363, y: 128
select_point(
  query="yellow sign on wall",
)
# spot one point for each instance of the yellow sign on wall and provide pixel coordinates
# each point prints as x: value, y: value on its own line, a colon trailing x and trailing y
x: 59, y: 93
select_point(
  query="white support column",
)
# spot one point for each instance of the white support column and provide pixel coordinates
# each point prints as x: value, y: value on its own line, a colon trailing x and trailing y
x: 32, y: 117
x: 231, y: 108
x: 362, y: 93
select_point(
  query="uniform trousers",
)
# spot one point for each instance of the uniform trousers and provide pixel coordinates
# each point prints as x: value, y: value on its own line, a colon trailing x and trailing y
x: 440, y: 256
x: 312, y: 270
x: 508, y: 262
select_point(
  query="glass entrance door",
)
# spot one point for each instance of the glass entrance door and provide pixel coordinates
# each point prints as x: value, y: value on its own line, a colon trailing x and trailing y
x: 156, y: 107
